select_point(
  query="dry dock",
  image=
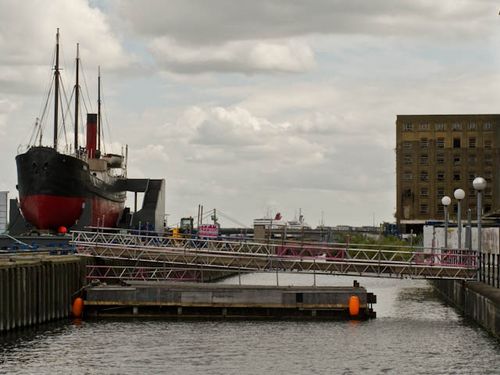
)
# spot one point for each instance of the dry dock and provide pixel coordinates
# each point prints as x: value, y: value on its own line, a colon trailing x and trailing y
x: 191, y: 300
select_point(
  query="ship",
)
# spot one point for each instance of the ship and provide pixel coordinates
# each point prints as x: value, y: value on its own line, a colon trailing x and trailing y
x: 279, y: 223
x: 56, y: 184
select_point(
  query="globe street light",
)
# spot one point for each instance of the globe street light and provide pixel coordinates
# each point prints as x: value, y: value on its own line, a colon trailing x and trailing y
x: 445, y: 201
x: 459, y: 194
x: 479, y: 185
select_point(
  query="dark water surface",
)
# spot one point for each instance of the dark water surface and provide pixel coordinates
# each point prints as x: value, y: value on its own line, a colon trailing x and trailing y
x: 414, y: 333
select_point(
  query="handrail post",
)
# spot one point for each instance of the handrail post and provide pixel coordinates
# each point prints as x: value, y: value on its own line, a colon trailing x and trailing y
x: 379, y: 260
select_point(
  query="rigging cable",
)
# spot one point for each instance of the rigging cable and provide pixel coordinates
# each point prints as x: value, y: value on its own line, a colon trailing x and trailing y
x: 108, y: 128
x: 86, y: 89
x: 231, y: 219
x: 64, y: 114
x: 43, y: 107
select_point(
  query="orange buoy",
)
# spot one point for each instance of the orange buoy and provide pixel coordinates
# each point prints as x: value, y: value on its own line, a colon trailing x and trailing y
x: 353, y: 305
x: 77, y: 308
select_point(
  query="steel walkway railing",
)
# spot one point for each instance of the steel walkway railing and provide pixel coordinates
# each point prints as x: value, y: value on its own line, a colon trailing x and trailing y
x: 317, y: 258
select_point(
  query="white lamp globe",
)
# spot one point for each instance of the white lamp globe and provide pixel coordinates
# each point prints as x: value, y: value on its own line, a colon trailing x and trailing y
x: 479, y: 183
x: 459, y: 194
x: 446, y: 200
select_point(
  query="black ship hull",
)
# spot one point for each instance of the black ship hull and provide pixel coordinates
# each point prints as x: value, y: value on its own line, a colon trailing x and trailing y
x: 54, y: 187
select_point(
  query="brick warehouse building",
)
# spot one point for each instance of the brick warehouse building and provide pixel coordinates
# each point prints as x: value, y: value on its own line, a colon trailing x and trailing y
x: 436, y: 154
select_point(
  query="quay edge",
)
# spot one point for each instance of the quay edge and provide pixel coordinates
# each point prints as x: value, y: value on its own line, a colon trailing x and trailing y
x: 37, y: 289
x: 476, y: 300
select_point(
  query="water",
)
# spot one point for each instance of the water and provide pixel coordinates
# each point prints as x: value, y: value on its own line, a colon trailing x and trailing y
x: 414, y: 333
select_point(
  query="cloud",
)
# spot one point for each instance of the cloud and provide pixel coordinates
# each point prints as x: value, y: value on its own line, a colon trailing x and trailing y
x: 249, y: 56
x: 264, y: 36
x: 199, y: 22
x: 217, y: 136
x: 233, y: 126
x: 27, y: 40
x: 6, y: 107
x: 151, y: 153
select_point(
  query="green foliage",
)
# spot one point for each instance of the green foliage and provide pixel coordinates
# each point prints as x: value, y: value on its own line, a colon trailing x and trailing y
x: 389, y: 245
x: 361, y: 239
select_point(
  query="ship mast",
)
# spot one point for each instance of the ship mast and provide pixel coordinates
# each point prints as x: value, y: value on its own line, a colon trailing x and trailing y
x: 99, y: 108
x: 77, y: 94
x: 56, y: 91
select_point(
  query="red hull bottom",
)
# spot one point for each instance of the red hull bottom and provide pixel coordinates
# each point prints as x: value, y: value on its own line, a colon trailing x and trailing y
x: 106, y: 213
x: 51, y: 212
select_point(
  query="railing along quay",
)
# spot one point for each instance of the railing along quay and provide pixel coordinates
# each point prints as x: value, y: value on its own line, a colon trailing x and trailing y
x: 489, y: 269
x: 317, y: 258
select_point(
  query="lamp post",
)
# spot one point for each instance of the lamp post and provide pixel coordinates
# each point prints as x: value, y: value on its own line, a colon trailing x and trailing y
x: 459, y: 194
x: 479, y: 185
x: 445, y: 201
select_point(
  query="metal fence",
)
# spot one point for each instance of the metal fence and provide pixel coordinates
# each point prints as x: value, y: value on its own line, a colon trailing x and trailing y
x: 489, y: 269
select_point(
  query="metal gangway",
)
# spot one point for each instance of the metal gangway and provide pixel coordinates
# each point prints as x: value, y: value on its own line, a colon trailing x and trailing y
x: 150, y: 254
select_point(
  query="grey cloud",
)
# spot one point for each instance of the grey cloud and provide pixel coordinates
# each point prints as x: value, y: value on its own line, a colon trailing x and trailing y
x: 242, y: 56
x: 197, y: 36
x: 20, y: 28
x: 212, y: 133
x: 210, y: 22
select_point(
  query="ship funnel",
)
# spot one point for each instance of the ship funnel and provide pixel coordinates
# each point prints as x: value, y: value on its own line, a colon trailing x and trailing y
x: 91, y: 134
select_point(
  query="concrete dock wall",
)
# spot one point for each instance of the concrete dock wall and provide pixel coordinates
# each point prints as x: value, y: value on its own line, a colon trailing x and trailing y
x: 35, y: 290
x: 476, y: 300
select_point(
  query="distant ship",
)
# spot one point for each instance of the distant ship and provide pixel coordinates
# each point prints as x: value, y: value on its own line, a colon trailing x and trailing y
x: 54, y: 186
x: 278, y: 223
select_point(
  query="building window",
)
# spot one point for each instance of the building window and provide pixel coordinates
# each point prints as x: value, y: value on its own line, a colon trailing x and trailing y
x: 487, y: 126
x: 472, y: 126
x: 487, y: 208
x: 424, y: 159
x: 440, y: 158
x: 424, y: 208
x: 472, y: 142
x: 407, y: 160
x: 407, y: 176
x: 440, y: 127
x: 424, y: 143
x: 487, y: 192
x: 423, y: 127
x: 408, y: 127
x: 472, y: 176
x: 407, y: 145
x: 440, y: 142
x: 424, y: 176
x: 488, y: 159
x: 487, y: 143
x: 456, y: 159
x: 440, y: 192
x: 407, y: 193
x: 440, y: 176
x: 456, y: 176
x: 457, y: 126
x: 456, y: 142
x: 424, y: 192
x: 472, y: 159
x: 440, y: 209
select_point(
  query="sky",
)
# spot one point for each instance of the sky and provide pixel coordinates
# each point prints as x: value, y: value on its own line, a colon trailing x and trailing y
x: 253, y: 107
